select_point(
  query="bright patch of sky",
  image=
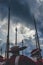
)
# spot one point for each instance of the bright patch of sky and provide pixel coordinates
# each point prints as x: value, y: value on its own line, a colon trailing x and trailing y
x: 2, y: 23
x: 22, y: 33
x: 39, y: 0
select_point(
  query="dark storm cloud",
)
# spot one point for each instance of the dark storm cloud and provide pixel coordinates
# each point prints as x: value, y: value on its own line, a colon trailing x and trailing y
x: 3, y: 12
x: 19, y: 8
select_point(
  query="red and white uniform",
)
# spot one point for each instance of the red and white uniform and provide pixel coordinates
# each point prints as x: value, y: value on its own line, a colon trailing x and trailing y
x: 2, y: 61
x: 39, y: 62
x: 20, y: 60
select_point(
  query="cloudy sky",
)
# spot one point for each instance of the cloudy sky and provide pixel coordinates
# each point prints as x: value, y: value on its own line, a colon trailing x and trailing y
x: 21, y: 16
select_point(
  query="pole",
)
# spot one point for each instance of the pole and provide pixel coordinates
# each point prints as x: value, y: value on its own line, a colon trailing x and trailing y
x: 22, y: 46
x: 16, y: 37
x: 8, y: 30
x: 37, y: 39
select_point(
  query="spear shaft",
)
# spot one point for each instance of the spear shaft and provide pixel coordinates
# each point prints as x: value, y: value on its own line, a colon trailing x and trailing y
x: 37, y: 39
x: 8, y: 31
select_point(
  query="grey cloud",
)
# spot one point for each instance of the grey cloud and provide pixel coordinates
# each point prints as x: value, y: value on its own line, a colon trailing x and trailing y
x: 19, y: 8
x: 22, y: 10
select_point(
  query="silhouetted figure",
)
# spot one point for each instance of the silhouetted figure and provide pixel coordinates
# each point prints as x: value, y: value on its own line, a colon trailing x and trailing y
x: 17, y: 59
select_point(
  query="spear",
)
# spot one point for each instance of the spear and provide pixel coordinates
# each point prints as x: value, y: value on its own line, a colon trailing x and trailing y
x: 37, y: 39
x: 16, y: 37
x: 8, y: 30
x: 22, y: 46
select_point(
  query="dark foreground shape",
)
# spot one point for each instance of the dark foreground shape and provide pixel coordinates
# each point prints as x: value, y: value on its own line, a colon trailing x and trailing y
x: 20, y: 60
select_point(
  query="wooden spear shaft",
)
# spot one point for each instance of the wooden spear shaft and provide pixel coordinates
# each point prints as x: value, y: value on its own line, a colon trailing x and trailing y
x: 37, y: 39
x: 8, y: 30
